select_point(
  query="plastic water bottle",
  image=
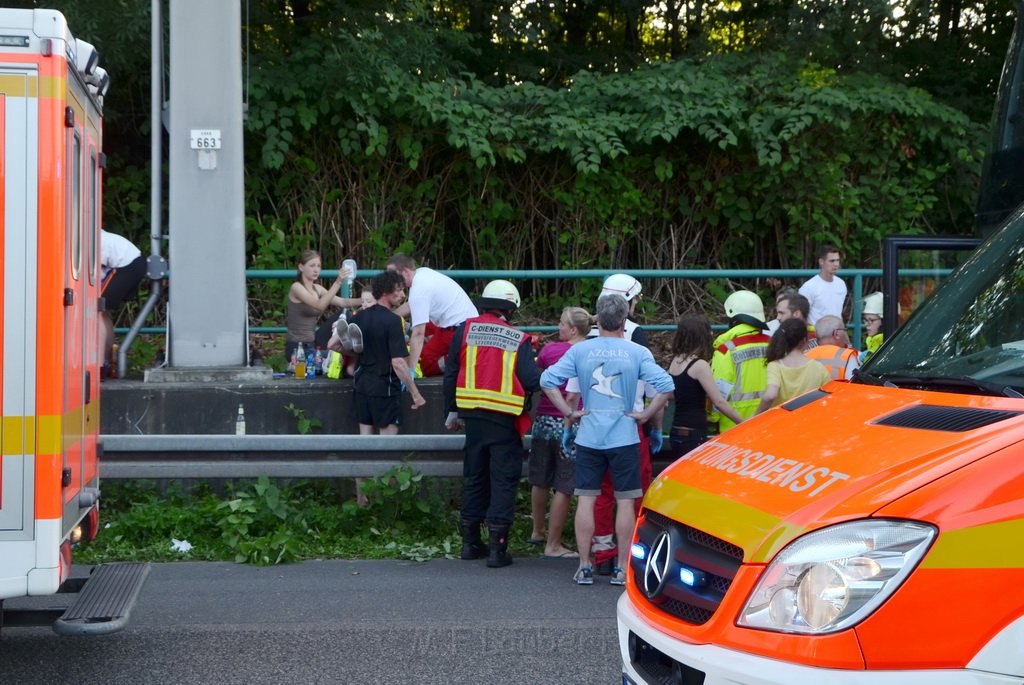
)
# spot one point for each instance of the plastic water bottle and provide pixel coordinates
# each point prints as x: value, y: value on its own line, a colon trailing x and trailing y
x: 240, y: 421
x: 310, y: 365
x: 300, y: 362
x: 350, y: 264
x: 318, y: 361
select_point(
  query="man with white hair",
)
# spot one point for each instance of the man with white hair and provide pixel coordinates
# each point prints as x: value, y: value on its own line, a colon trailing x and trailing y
x: 604, y: 546
x: 609, y: 369
x: 833, y: 349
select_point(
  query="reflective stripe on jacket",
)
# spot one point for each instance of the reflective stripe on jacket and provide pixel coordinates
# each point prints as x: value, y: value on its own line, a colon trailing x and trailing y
x: 738, y: 366
x: 835, y: 359
x: 487, y: 366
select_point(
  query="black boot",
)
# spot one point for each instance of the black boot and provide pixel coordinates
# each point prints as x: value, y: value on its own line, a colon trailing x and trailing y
x: 472, y: 545
x: 497, y: 549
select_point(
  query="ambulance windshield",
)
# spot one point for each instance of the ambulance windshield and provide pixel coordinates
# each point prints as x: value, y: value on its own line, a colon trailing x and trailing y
x: 969, y: 336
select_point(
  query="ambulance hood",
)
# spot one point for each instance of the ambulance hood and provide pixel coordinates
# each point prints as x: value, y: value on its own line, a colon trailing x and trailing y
x: 833, y: 455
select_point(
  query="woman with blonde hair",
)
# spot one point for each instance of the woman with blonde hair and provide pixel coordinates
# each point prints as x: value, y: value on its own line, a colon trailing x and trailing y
x: 549, y: 466
x: 790, y: 371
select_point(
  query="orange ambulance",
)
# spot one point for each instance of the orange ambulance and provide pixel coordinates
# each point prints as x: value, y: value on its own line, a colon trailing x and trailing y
x: 870, y: 531
x: 51, y: 165
x: 867, y: 532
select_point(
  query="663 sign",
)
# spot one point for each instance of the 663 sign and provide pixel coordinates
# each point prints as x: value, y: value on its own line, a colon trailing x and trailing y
x: 204, y: 139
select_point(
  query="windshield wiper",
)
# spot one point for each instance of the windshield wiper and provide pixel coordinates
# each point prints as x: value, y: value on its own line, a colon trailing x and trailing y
x: 953, y: 383
x: 861, y: 376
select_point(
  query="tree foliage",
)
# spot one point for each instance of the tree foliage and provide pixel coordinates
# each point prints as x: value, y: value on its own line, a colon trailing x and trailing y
x: 587, y: 133
x: 609, y: 169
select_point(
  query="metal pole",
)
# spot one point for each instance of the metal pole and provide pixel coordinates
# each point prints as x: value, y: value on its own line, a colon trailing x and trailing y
x: 154, y: 270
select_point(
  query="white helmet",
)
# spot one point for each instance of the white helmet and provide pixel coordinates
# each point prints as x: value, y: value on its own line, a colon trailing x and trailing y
x: 873, y: 304
x: 621, y: 284
x: 499, y: 293
x: 744, y: 302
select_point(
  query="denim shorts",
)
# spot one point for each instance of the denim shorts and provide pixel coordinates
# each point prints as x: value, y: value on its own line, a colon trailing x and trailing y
x: 623, y: 462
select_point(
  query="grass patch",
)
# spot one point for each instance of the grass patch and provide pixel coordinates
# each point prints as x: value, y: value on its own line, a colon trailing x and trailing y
x: 269, y: 522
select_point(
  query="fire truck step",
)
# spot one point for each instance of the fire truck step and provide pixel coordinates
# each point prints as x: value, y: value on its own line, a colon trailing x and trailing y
x: 105, y: 603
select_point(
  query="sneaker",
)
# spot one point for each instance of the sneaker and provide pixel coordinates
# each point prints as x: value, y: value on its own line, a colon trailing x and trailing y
x: 604, y: 568
x: 356, y: 336
x: 584, y: 576
x: 618, y: 576
x: 340, y: 329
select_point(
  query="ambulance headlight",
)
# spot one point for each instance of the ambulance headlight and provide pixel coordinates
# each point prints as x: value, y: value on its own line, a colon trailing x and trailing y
x: 833, y: 578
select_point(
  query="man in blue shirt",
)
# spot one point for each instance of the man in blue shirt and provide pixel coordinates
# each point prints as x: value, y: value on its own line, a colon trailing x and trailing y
x: 609, y: 369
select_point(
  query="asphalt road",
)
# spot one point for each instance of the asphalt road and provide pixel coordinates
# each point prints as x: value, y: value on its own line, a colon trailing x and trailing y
x: 444, y: 621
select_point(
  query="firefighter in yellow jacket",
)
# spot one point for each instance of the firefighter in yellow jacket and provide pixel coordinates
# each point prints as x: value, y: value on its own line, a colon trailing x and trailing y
x: 489, y: 374
x: 738, y: 361
x: 873, y: 336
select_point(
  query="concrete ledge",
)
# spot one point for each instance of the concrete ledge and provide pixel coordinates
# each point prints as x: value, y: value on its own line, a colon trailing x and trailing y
x: 131, y: 407
x: 211, y: 374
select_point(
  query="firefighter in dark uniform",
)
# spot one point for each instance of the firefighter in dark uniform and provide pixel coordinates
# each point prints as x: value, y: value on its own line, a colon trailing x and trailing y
x: 488, y: 377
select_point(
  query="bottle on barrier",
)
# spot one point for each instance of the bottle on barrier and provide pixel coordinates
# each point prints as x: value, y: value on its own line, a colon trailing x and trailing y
x: 300, y: 362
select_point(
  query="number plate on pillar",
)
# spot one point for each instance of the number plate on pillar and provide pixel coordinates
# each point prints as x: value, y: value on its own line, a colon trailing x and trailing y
x: 204, y: 139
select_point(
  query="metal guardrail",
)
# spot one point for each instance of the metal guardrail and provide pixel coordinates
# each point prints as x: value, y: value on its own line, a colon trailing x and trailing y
x: 277, y: 456
x: 154, y: 457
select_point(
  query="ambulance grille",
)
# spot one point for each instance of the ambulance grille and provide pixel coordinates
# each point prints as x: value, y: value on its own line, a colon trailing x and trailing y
x: 950, y: 419
x: 712, y: 560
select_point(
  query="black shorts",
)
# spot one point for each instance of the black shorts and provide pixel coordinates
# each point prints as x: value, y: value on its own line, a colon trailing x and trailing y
x: 379, y: 412
x: 123, y: 282
x: 548, y: 465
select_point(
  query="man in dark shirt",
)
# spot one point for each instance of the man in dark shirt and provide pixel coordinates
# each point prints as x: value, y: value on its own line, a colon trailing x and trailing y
x: 382, y: 367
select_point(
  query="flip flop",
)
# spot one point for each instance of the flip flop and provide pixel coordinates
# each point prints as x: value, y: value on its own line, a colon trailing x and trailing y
x: 536, y: 541
x: 568, y: 554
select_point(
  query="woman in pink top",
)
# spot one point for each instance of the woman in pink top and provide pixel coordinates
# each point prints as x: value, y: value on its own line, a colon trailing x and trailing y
x: 549, y: 466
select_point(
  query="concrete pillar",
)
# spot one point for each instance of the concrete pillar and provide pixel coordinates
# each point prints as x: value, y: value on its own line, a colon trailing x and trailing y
x: 207, y: 310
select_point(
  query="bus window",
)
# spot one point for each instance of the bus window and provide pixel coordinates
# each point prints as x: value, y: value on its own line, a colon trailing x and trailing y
x: 75, y: 220
x: 94, y: 211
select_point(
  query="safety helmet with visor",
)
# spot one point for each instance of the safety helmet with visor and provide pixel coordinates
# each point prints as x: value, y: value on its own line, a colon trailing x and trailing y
x: 499, y: 294
x: 745, y: 306
x: 873, y: 304
x: 621, y: 284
